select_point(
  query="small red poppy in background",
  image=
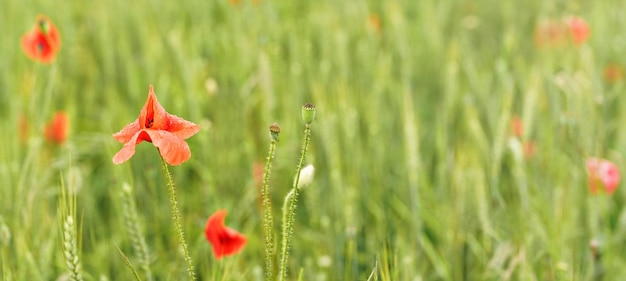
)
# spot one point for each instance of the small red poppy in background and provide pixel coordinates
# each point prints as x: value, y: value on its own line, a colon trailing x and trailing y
x: 57, y: 130
x: 166, y: 131
x: 529, y: 147
x: 517, y: 127
x: 22, y: 128
x: 550, y: 33
x: 258, y: 173
x: 579, y: 29
x: 374, y: 22
x: 43, y: 42
x: 225, y: 241
x: 602, y: 173
x: 613, y: 73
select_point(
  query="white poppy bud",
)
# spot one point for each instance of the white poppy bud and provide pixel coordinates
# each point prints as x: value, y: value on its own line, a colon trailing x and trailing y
x: 306, y: 176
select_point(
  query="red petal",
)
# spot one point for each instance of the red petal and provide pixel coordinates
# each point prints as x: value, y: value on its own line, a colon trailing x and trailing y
x: 215, y: 223
x: 225, y: 241
x: 153, y: 115
x: 181, y: 127
x: 127, y: 151
x: 57, y: 129
x: 127, y: 132
x: 37, y: 47
x: 214, y: 226
x: 174, y: 150
x: 233, y: 241
x: 52, y: 36
x: 609, y: 175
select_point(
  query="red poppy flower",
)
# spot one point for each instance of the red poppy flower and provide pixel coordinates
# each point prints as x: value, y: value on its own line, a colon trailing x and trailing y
x: 374, y: 23
x: 517, y: 126
x: 579, y: 29
x: 613, y: 73
x: 22, y: 128
x: 258, y: 173
x: 602, y: 172
x: 56, y: 131
x: 529, y: 148
x: 226, y: 241
x: 43, y: 42
x: 550, y: 33
x: 166, y: 131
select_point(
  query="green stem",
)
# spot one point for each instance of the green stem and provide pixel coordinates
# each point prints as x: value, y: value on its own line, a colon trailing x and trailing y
x: 134, y: 230
x: 289, y: 209
x: 268, y: 220
x: 176, y: 218
x: 70, y: 237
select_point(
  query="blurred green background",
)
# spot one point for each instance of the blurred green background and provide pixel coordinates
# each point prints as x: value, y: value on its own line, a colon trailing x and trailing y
x: 416, y: 166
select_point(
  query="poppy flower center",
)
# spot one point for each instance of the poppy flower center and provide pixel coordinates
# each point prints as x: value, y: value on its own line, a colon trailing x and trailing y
x: 224, y: 239
x: 149, y: 122
x: 40, y: 47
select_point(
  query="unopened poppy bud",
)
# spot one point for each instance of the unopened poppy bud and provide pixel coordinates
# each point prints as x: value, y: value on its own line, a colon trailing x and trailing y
x: 274, y: 131
x: 127, y: 189
x: 595, y: 244
x: 306, y: 176
x: 5, y: 234
x: 308, y: 113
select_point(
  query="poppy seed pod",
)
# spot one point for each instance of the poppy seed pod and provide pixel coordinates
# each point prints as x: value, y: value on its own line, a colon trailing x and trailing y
x: 274, y: 131
x: 308, y: 113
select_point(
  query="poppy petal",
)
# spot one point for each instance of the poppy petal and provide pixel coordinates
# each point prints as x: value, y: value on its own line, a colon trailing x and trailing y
x: 127, y: 132
x: 153, y: 115
x: 213, y: 225
x: 602, y: 173
x: 127, y: 151
x: 56, y: 131
x: 234, y: 241
x: 36, y: 47
x: 609, y: 175
x: 174, y: 150
x: 181, y: 127
x: 225, y: 240
x: 52, y: 34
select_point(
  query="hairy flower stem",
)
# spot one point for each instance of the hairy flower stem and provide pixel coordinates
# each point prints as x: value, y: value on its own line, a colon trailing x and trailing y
x: 176, y: 218
x: 268, y: 220
x: 289, y: 209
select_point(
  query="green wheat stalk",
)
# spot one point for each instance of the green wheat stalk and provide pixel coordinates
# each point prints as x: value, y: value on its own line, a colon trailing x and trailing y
x: 134, y: 230
x: 129, y: 264
x: 67, y: 209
